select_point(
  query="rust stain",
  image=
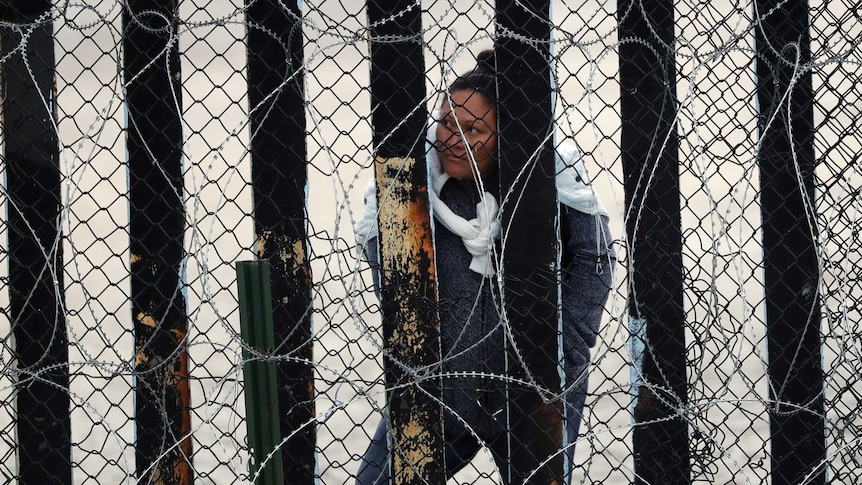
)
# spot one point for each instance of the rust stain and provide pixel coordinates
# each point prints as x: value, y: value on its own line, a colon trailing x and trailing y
x: 175, y: 468
x: 405, y: 223
x: 180, y: 378
x: 550, y: 417
x: 407, y: 250
x: 419, y: 213
x: 288, y: 251
x: 406, y: 247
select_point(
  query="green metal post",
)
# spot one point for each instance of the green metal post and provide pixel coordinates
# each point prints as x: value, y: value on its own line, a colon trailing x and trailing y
x: 261, y: 389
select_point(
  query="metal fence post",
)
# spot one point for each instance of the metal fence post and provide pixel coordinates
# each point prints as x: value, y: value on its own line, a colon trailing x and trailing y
x: 260, y: 381
x: 408, y: 287
x: 35, y: 248
x: 529, y: 232
x: 650, y: 159
x: 791, y: 269
x: 278, y: 157
x: 156, y: 230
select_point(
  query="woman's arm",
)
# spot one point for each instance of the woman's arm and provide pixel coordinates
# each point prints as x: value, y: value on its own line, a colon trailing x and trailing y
x: 587, y: 265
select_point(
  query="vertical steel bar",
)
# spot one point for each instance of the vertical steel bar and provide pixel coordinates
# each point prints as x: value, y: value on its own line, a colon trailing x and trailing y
x: 408, y: 284
x: 791, y: 270
x: 530, y: 240
x: 279, y: 178
x: 650, y: 159
x: 260, y: 381
x: 35, y: 251
x: 154, y: 142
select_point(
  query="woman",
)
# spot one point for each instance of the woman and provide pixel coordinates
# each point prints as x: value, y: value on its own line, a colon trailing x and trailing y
x: 463, y: 166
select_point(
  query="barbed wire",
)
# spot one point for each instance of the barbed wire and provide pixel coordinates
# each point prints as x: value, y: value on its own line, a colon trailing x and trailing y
x: 730, y: 399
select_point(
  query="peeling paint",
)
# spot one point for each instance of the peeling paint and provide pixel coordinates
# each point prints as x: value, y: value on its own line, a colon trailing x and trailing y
x: 298, y: 254
x: 179, y: 333
x: 404, y: 220
x: 416, y: 445
x: 261, y: 242
x: 147, y: 320
x: 288, y: 251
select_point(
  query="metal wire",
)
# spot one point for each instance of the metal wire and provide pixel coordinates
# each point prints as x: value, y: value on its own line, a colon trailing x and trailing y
x: 86, y: 264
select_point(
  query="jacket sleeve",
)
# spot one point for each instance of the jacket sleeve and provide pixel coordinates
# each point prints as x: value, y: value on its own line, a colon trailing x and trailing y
x: 587, y: 263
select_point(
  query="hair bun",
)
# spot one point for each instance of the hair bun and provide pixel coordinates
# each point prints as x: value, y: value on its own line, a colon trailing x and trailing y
x: 482, y: 78
x: 486, y: 61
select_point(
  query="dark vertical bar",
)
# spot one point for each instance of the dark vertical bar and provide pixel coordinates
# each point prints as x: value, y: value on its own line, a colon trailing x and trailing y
x: 408, y: 284
x: 278, y: 159
x: 35, y: 247
x: 259, y: 375
x: 786, y: 160
x: 650, y: 159
x: 529, y: 212
x: 156, y: 225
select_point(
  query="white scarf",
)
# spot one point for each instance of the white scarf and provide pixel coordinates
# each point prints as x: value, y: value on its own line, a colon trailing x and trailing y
x: 478, y: 234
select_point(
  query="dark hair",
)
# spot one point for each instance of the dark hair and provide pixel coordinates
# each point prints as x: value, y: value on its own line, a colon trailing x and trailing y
x: 482, y: 78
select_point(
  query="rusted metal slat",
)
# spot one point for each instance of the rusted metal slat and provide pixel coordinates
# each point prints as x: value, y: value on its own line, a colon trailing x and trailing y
x: 408, y: 291
x: 279, y: 176
x: 156, y: 229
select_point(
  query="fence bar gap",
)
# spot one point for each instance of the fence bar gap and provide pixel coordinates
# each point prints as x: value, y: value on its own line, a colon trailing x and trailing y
x: 156, y: 229
x: 530, y: 240
x: 791, y: 270
x: 650, y: 159
x: 259, y: 376
x: 408, y: 282
x: 35, y: 251
x: 279, y: 179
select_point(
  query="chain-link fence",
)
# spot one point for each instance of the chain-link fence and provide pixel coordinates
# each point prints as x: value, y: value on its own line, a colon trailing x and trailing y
x: 148, y: 146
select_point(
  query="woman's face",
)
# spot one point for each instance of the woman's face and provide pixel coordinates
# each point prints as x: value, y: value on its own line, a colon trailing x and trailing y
x: 467, y: 116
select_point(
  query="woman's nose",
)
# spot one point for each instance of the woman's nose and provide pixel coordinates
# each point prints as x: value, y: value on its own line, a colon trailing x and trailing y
x: 454, y: 140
